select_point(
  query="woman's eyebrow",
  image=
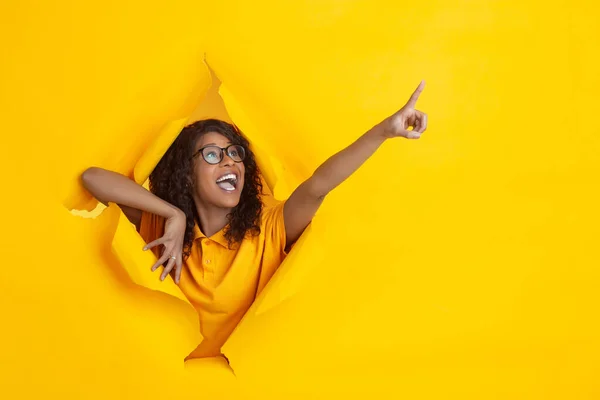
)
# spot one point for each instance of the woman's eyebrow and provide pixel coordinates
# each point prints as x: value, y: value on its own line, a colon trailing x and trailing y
x: 213, y: 144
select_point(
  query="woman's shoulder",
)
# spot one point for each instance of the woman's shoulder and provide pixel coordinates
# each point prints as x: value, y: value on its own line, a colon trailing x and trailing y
x: 272, y: 227
x: 272, y: 208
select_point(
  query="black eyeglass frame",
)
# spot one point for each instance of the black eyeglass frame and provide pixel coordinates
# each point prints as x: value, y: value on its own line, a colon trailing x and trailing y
x: 224, y: 150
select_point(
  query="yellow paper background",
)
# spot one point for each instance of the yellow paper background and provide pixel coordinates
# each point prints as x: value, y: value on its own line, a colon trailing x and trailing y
x: 463, y: 265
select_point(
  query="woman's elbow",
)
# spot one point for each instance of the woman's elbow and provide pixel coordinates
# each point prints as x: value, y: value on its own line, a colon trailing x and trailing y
x: 90, y: 176
x: 93, y: 180
x: 316, y: 188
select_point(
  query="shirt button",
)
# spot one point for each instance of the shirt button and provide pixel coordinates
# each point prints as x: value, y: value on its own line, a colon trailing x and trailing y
x: 207, y: 242
x: 207, y: 261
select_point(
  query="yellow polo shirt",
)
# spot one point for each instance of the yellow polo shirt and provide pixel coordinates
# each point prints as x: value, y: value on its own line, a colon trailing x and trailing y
x: 221, y: 283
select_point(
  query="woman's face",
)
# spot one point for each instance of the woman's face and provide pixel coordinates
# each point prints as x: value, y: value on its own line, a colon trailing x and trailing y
x: 220, y: 184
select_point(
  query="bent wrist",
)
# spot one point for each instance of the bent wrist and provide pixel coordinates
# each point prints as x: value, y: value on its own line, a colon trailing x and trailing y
x: 172, y: 212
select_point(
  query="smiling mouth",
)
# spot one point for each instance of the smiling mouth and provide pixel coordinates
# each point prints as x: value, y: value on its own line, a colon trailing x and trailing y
x: 227, y: 182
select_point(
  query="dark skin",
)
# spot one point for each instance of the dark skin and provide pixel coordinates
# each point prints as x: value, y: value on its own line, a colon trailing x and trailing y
x: 214, y: 203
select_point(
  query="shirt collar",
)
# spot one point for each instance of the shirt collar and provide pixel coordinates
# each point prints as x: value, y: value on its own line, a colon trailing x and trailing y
x: 218, y: 237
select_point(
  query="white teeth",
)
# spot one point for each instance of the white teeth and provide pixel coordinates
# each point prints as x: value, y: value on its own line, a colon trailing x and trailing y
x: 228, y: 176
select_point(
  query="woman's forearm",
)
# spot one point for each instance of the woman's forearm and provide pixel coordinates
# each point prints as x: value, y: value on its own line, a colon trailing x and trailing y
x: 108, y: 186
x: 341, y: 165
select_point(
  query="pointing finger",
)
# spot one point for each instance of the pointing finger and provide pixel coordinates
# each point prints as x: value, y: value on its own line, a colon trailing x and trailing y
x: 412, y: 102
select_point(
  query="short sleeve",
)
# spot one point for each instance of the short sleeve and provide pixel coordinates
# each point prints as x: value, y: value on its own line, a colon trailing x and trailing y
x: 273, y: 229
x: 152, y: 227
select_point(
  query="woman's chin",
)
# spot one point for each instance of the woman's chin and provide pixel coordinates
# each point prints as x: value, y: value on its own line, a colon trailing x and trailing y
x: 229, y: 202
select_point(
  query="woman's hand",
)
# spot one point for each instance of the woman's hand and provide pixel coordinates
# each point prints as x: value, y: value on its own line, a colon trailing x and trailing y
x: 172, y: 240
x: 397, y: 125
x: 302, y: 205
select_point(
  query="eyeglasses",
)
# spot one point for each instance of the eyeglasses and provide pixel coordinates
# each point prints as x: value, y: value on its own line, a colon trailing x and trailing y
x: 214, y: 154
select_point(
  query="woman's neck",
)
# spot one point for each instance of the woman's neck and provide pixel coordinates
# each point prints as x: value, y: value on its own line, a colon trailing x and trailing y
x: 212, y: 219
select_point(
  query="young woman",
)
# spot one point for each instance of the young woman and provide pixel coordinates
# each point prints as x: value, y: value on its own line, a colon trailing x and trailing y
x: 205, y: 220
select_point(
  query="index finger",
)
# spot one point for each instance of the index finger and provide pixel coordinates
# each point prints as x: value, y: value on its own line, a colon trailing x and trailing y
x: 412, y: 102
x: 154, y: 243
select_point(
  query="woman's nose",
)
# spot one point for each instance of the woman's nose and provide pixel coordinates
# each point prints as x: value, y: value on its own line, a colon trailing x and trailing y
x: 226, y: 161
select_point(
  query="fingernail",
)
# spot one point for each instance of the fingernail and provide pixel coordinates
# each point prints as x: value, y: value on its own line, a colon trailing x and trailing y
x: 145, y: 248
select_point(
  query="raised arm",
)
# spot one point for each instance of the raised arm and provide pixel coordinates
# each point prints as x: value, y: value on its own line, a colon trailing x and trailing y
x: 108, y: 186
x: 302, y: 205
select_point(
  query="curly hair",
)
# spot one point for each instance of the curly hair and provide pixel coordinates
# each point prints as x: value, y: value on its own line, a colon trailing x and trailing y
x: 173, y: 181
